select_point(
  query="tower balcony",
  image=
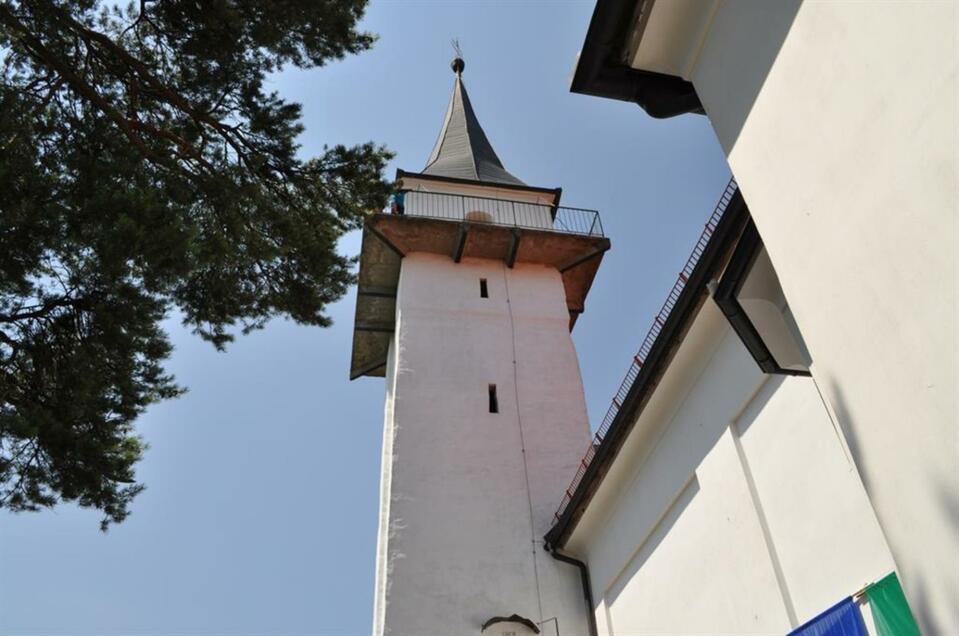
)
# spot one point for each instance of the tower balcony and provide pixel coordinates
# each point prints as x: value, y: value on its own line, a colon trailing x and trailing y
x: 571, y: 240
x: 501, y: 212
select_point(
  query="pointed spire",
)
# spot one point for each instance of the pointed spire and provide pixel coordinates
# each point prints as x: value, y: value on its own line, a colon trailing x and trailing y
x: 462, y: 150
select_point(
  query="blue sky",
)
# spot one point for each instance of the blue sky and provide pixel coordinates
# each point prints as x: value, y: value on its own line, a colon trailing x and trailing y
x: 260, y: 511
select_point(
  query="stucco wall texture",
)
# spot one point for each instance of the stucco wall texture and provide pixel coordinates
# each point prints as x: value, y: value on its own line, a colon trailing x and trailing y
x: 468, y: 494
x: 840, y: 123
x: 734, y: 506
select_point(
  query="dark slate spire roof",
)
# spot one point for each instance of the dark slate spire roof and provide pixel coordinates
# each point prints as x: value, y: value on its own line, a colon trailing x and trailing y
x: 462, y: 150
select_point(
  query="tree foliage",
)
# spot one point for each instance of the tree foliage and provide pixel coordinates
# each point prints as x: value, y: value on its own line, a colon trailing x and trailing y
x: 144, y: 168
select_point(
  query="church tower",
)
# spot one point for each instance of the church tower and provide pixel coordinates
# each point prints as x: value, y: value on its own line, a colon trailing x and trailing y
x: 468, y: 289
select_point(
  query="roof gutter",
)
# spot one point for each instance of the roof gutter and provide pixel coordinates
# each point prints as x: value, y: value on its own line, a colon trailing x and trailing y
x: 602, y: 71
x: 676, y: 325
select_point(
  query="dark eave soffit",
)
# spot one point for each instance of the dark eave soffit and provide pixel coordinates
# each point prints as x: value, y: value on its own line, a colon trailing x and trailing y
x: 602, y: 71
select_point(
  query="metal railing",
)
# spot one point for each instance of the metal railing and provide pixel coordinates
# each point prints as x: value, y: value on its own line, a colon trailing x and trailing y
x: 520, y: 214
x: 647, y: 345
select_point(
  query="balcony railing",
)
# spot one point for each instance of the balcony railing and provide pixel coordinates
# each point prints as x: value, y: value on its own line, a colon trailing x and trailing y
x: 519, y: 214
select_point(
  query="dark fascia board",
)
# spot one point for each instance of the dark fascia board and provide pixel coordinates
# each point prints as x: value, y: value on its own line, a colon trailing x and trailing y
x: 726, y: 299
x: 601, y: 71
x: 677, y: 324
x: 556, y: 192
x: 372, y: 367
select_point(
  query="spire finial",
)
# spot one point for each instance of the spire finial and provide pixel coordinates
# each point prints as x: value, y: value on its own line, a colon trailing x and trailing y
x: 462, y: 150
x: 458, y: 64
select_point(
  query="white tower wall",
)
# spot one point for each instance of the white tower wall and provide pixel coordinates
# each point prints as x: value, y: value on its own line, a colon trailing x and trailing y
x: 467, y: 495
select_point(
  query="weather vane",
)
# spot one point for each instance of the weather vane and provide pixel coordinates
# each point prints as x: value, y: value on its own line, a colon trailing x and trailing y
x: 458, y: 64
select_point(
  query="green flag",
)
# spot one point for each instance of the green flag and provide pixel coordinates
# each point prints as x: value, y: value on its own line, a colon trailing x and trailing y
x: 890, y: 610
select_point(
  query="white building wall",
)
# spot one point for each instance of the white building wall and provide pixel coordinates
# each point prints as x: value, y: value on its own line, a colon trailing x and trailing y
x: 733, y: 506
x: 469, y: 492
x: 702, y: 568
x: 823, y: 533
x: 840, y: 123
x: 385, y: 519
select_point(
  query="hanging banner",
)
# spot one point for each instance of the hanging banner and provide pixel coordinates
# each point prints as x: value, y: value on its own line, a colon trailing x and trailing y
x: 842, y: 619
x: 890, y: 610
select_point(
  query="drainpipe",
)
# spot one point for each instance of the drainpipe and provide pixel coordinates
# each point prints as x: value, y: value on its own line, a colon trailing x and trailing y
x: 587, y: 588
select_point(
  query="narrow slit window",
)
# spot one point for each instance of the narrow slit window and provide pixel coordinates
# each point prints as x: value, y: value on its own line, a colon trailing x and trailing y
x: 493, y: 402
x: 484, y: 290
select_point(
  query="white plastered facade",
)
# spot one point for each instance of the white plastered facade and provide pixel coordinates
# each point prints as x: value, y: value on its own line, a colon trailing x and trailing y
x: 839, y: 120
x: 467, y: 494
x: 733, y: 507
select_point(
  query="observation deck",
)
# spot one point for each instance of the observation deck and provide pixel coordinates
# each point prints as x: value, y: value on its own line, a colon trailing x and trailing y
x: 464, y: 226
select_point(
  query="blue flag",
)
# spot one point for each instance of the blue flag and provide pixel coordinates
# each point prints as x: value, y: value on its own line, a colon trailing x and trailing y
x: 842, y: 619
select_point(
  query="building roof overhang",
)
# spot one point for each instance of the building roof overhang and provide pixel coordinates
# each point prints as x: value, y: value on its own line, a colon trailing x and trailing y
x: 603, y: 70
x: 387, y: 238
x: 714, y: 258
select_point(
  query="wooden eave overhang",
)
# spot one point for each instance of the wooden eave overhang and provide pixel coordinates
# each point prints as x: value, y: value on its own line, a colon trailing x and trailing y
x: 388, y: 237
